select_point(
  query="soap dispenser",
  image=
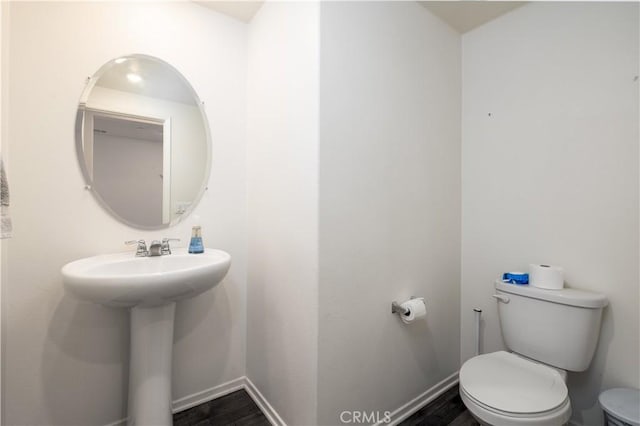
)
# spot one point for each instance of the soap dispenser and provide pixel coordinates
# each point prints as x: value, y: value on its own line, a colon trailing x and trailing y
x: 195, y: 246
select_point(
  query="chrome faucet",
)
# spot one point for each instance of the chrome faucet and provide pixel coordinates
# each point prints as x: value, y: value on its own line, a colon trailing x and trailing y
x: 165, y: 249
x: 156, y: 248
x: 141, y: 250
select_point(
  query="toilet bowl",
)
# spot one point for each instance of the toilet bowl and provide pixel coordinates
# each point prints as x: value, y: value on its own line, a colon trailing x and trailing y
x: 502, y: 388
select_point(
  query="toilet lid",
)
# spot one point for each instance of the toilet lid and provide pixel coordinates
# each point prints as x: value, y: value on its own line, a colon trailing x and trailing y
x: 623, y: 404
x: 507, y: 382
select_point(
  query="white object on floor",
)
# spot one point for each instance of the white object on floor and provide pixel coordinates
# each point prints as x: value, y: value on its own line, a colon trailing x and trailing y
x: 621, y: 406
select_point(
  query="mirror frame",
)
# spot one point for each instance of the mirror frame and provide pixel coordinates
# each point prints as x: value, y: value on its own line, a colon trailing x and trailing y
x: 79, y: 132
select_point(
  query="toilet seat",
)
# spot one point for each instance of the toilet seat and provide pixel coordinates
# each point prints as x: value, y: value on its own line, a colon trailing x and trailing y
x: 502, y: 388
x: 489, y: 416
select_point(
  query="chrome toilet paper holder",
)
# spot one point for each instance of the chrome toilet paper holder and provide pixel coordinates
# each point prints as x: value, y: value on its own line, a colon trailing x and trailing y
x: 397, y: 309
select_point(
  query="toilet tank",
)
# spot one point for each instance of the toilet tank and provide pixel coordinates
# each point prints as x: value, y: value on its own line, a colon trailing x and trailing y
x: 556, y: 327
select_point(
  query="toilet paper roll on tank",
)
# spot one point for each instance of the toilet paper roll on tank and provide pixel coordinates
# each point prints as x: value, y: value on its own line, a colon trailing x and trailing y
x: 549, y: 277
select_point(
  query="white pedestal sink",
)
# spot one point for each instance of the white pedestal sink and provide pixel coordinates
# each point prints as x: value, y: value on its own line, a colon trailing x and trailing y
x: 150, y: 287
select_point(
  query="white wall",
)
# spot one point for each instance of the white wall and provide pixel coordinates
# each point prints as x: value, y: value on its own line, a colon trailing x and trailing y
x: 282, y: 165
x: 65, y: 362
x: 551, y: 176
x: 389, y: 204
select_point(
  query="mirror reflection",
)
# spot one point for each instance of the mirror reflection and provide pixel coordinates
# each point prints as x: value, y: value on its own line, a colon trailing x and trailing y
x: 143, y: 142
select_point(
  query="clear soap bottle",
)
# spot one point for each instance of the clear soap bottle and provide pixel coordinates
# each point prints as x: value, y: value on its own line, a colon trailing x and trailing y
x: 195, y: 246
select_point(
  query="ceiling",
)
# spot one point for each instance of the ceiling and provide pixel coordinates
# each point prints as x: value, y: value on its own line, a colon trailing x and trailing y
x: 461, y: 15
x: 127, y: 128
x: 467, y: 15
x: 157, y: 79
x: 239, y: 9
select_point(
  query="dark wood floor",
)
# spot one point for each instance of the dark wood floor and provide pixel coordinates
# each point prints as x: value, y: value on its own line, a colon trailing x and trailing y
x: 447, y: 409
x: 238, y: 409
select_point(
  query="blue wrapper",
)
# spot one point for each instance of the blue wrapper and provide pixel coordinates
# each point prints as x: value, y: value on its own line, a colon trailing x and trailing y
x: 515, y: 278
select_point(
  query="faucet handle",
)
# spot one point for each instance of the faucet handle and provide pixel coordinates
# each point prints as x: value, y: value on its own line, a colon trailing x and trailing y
x: 166, y: 249
x: 141, y: 249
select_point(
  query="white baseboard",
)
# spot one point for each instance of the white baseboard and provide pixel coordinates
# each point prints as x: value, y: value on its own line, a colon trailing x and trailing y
x: 121, y: 422
x: 396, y: 416
x: 226, y: 388
x: 201, y: 397
x: 207, y: 395
x: 270, y: 413
x: 421, y: 400
x: 274, y: 418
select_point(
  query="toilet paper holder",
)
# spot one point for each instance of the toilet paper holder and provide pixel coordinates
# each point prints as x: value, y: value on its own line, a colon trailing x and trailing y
x: 397, y: 309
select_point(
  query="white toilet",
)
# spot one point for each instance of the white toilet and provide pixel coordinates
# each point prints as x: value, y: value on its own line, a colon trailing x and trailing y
x: 548, y: 332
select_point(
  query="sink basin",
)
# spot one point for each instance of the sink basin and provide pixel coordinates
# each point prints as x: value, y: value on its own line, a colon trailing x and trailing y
x: 123, y: 280
x: 150, y: 287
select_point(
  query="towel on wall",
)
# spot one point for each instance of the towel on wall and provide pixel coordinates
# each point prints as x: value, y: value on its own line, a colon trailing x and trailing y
x: 5, y: 219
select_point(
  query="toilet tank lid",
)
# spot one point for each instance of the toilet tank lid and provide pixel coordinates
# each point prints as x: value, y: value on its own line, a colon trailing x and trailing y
x: 565, y: 296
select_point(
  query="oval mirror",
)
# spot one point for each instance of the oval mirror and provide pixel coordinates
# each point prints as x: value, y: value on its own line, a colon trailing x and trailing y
x: 143, y: 141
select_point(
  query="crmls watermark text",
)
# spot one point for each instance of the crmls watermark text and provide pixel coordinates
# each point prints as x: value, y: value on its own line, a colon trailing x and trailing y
x: 368, y: 417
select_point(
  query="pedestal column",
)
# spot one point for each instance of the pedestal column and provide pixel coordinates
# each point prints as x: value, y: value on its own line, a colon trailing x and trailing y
x: 150, y: 366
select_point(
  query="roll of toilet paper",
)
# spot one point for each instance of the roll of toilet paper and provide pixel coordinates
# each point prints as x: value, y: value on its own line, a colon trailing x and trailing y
x: 546, y: 276
x: 417, y: 309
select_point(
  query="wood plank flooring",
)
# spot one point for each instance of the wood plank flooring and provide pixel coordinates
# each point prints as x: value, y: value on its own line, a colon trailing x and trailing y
x: 238, y: 409
x: 447, y: 409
